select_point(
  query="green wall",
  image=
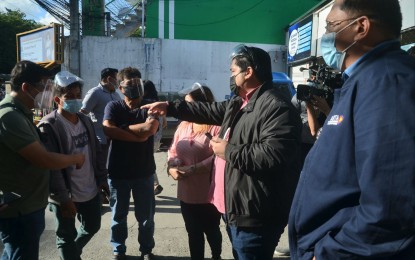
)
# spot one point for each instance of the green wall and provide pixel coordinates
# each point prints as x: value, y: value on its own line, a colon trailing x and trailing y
x: 259, y: 21
x: 93, y: 21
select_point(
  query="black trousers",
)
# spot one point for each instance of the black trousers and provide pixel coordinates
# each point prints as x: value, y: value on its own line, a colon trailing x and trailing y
x: 202, y: 219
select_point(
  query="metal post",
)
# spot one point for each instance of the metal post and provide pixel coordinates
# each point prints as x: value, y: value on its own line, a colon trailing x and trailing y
x: 143, y: 6
x: 74, y: 38
x: 108, y: 23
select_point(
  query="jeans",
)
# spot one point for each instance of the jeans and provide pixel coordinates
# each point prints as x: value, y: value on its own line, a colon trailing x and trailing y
x: 70, y: 241
x: 202, y: 219
x: 144, y: 207
x: 21, y: 235
x: 254, y: 243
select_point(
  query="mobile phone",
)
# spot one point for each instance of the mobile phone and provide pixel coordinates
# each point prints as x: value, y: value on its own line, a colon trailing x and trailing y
x: 208, y: 135
x: 8, y: 197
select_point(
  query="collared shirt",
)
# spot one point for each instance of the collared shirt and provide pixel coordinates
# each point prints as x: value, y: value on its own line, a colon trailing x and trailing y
x: 94, y: 103
x: 217, y: 190
x: 18, y: 175
x: 349, y: 71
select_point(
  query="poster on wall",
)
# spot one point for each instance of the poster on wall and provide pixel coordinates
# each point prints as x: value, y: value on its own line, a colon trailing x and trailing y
x: 300, y: 40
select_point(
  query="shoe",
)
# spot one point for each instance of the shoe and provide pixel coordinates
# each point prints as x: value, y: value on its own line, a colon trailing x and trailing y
x: 119, y: 256
x: 157, y: 190
x: 148, y: 256
x: 282, y: 252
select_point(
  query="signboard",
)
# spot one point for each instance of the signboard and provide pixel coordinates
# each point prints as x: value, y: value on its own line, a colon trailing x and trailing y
x: 300, y: 40
x: 43, y: 45
x: 38, y: 46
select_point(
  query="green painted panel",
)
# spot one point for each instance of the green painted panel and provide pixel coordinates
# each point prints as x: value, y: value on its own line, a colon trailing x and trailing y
x: 93, y: 22
x: 152, y: 28
x: 166, y: 19
x: 260, y: 21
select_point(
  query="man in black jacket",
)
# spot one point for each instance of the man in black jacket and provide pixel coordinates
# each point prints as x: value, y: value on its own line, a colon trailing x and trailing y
x: 257, y: 153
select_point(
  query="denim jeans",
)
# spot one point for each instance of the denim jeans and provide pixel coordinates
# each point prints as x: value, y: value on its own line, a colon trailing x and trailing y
x: 144, y: 207
x: 201, y: 219
x: 254, y: 243
x: 70, y: 241
x: 21, y: 235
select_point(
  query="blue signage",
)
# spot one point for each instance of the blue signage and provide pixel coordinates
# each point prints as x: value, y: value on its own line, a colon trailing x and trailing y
x: 299, y: 42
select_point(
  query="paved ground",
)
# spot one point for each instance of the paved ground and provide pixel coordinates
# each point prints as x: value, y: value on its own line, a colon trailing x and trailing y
x: 170, y: 234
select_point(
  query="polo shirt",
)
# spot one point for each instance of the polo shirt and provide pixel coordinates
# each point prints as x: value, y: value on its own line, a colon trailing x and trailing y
x: 94, y: 103
x: 17, y: 174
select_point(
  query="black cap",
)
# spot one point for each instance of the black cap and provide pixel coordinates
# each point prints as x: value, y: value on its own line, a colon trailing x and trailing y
x: 108, y: 72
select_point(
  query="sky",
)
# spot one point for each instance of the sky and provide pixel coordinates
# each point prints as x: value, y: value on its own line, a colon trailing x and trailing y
x: 32, y: 10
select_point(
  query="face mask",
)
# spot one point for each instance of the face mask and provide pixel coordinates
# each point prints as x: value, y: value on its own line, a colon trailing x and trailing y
x: 132, y: 92
x: 113, y: 85
x: 72, y: 106
x: 232, y: 85
x: 331, y: 56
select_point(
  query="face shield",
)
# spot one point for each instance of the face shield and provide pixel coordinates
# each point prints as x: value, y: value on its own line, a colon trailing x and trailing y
x: 65, y: 78
x: 43, y: 103
x: 241, y: 50
x: 133, y: 88
x: 195, y: 87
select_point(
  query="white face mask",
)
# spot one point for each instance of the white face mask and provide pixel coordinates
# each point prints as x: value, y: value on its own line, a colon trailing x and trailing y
x: 331, y: 56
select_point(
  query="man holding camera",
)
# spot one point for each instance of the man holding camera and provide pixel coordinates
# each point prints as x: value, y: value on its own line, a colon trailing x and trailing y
x: 356, y: 195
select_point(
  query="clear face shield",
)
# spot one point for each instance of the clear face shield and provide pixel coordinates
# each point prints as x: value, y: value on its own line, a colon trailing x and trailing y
x: 43, y: 103
x: 239, y: 50
x: 133, y: 88
x: 196, y: 86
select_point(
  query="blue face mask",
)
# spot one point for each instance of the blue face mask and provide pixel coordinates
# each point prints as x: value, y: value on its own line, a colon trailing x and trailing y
x: 72, y: 106
x: 331, y: 56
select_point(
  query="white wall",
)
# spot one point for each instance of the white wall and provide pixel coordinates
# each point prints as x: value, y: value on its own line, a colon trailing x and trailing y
x: 171, y: 64
x: 408, y: 11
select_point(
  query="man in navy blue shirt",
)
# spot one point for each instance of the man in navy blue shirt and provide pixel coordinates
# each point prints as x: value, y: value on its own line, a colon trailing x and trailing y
x: 131, y: 163
x: 356, y: 195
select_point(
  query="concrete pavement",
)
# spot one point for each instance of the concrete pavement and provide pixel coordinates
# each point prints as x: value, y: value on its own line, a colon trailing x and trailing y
x: 170, y: 234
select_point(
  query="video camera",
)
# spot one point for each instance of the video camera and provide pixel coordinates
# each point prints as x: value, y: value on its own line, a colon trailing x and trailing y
x: 322, y: 82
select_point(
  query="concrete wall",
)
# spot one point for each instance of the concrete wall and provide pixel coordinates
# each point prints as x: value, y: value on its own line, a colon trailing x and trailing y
x: 171, y: 64
x: 408, y: 11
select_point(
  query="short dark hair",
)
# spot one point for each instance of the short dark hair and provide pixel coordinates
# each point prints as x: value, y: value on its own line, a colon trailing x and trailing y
x: 259, y: 60
x: 386, y: 12
x: 29, y: 72
x: 150, y: 91
x: 108, y: 72
x: 128, y: 73
x: 206, y: 96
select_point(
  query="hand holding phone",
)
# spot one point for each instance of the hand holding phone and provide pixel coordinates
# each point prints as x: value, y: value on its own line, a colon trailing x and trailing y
x: 208, y: 135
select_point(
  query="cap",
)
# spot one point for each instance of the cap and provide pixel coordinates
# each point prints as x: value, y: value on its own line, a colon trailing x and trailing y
x: 108, y: 72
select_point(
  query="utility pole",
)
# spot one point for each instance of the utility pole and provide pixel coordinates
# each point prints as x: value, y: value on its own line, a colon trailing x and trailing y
x: 74, y: 38
x: 143, y: 8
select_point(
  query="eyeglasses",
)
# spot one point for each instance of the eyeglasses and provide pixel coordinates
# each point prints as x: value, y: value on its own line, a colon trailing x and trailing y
x: 44, y: 84
x: 331, y: 24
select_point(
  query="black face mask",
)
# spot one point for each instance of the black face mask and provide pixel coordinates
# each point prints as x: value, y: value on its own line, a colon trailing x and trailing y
x: 132, y: 92
x: 234, y: 88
